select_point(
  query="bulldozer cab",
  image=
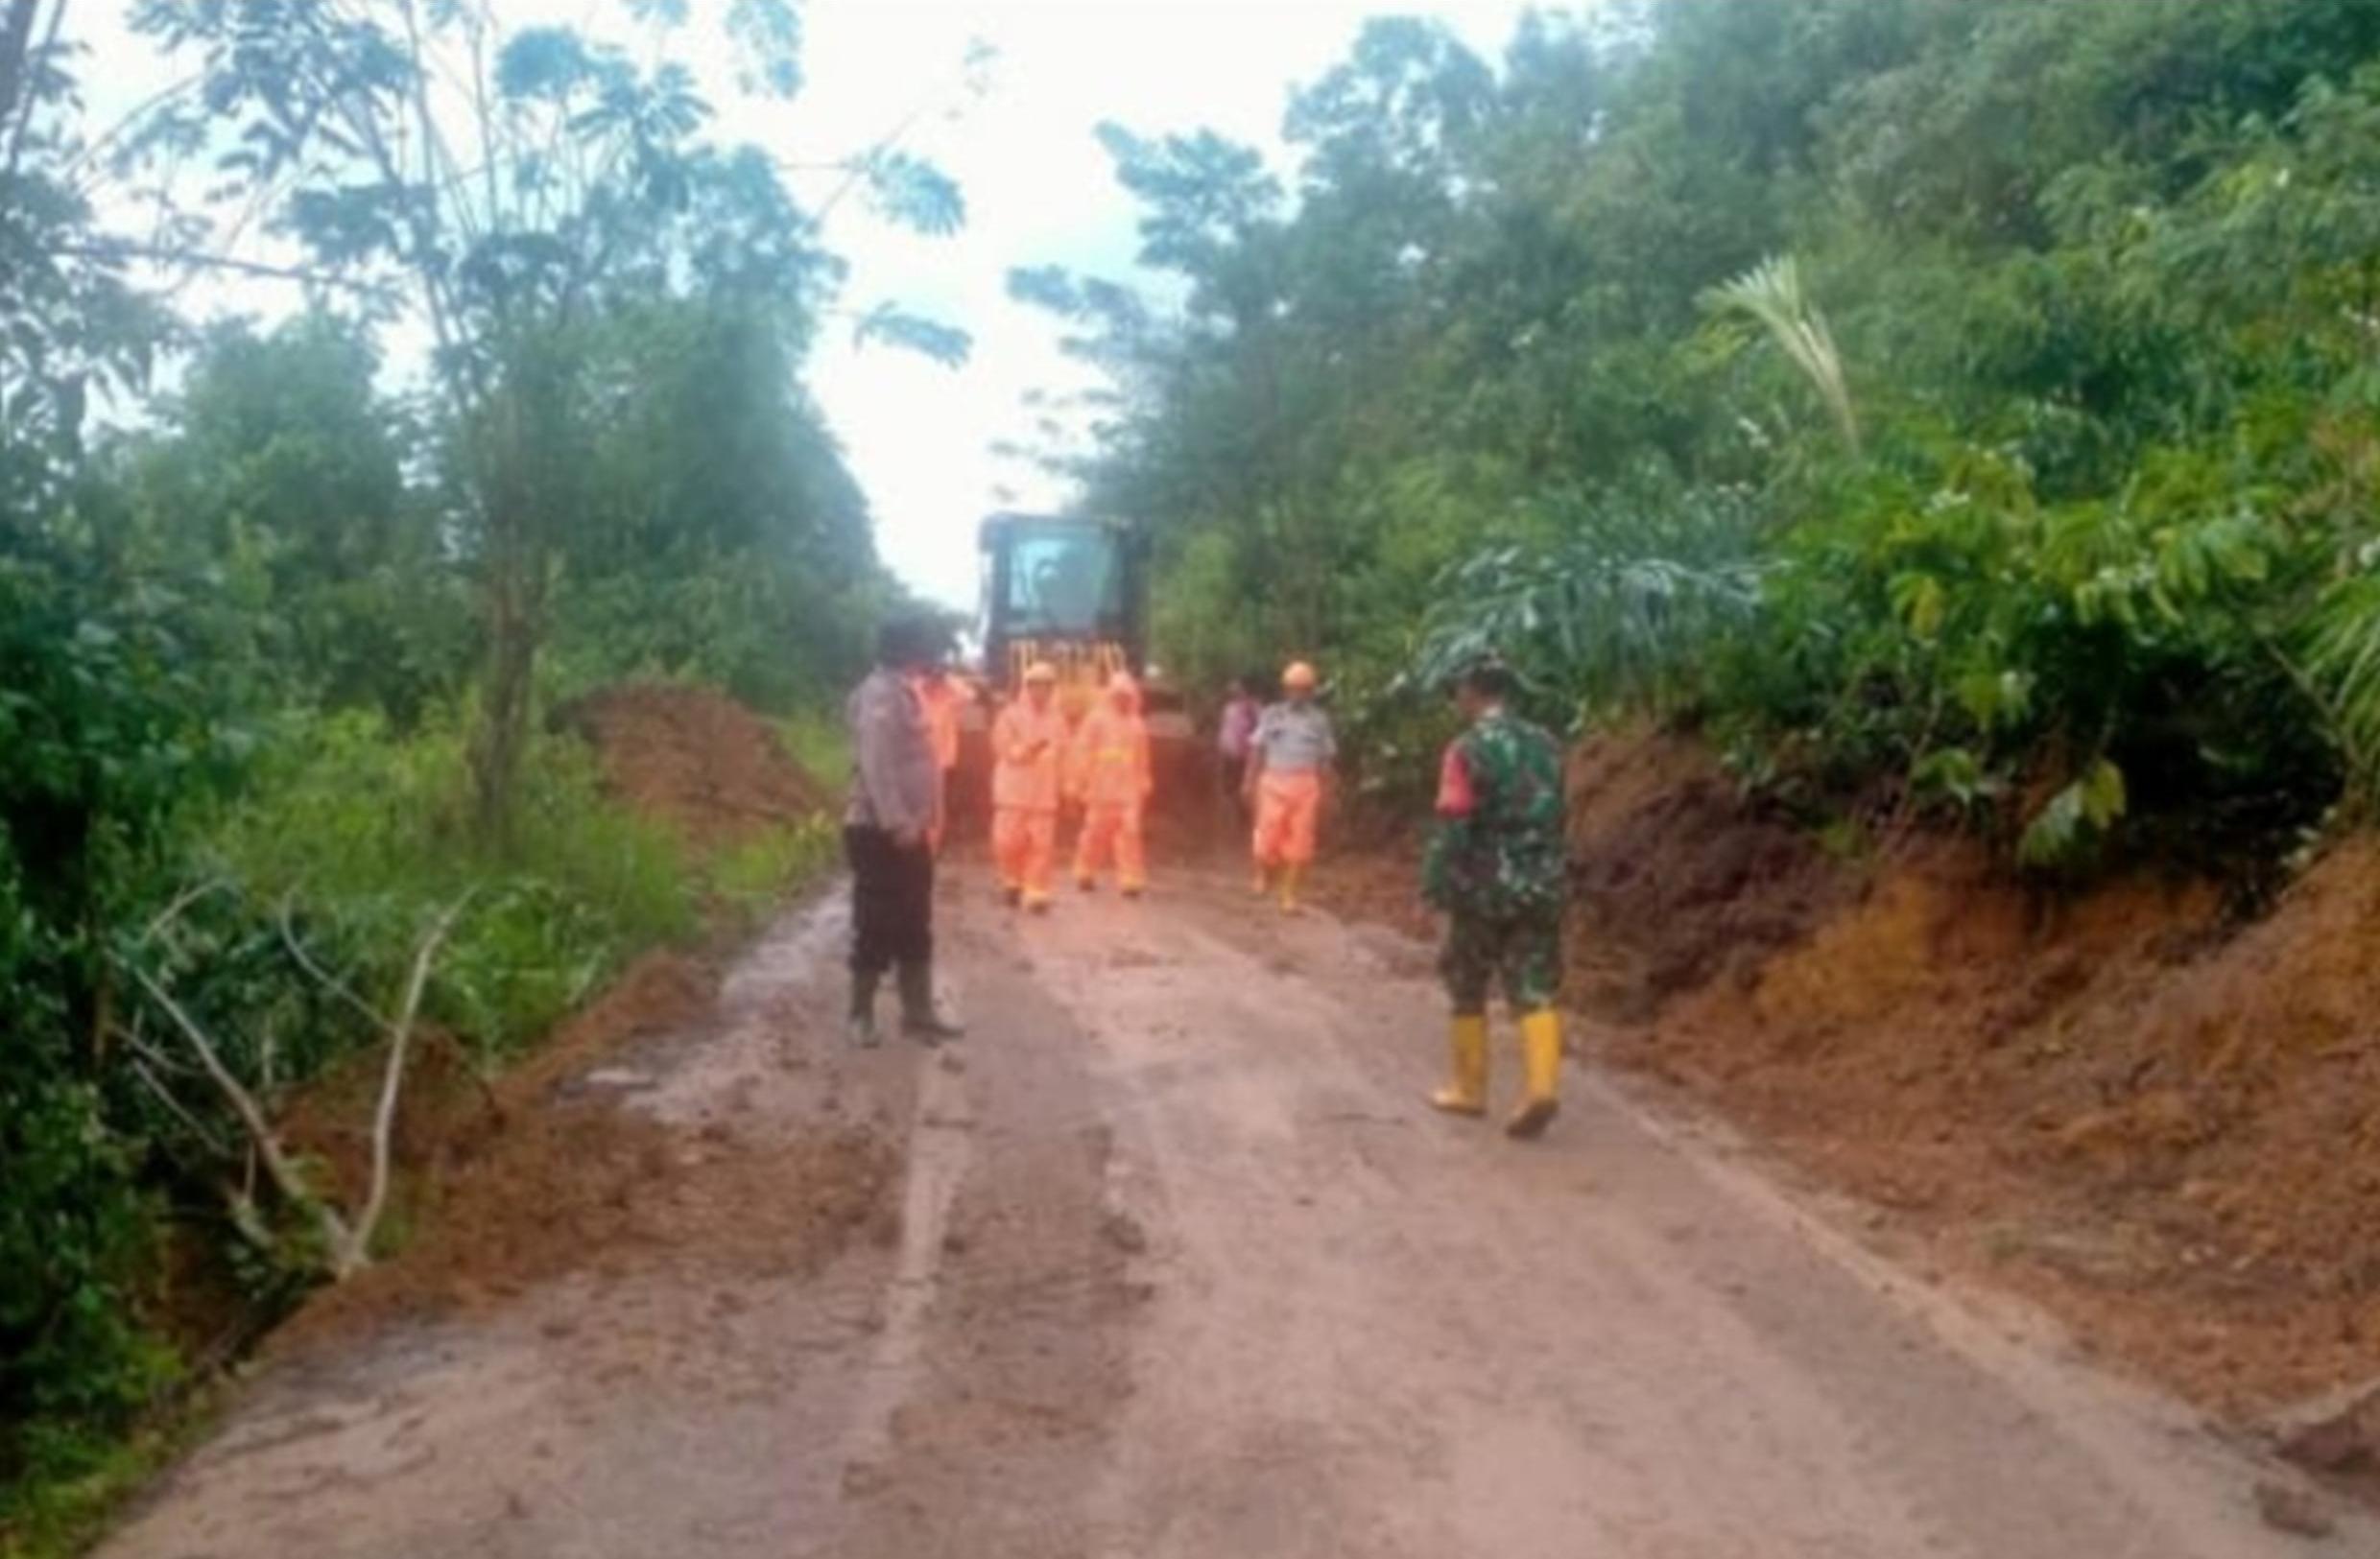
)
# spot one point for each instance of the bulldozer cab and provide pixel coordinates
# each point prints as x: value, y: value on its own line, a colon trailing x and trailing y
x: 1071, y: 592
x: 1074, y: 593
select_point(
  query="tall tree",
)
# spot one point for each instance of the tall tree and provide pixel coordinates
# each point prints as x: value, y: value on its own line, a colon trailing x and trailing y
x: 513, y: 188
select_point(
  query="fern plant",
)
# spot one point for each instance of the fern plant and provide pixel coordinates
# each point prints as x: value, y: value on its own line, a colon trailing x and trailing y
x: 1623, y: 609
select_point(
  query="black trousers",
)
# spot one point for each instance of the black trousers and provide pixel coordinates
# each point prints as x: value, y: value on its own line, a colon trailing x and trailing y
x: 891, y: 901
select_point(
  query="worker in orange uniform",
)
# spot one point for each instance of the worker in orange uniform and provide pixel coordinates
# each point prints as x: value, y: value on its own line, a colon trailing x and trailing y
x: 940, y: 694
x: 1289, y: 777
x: 1111, y: 777
x: 1028, y: 746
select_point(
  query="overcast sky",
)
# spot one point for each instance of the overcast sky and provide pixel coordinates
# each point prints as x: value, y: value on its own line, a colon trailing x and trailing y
x: 1038, y: 191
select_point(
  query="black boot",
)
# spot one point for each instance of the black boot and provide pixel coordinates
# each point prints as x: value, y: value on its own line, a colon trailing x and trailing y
x: 862, y: 1026
x: 918, y: 1019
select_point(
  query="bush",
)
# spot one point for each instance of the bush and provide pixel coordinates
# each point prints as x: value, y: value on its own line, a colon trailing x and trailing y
x: 109, y: 737
x: 303, y: 902
x: 366, y: 835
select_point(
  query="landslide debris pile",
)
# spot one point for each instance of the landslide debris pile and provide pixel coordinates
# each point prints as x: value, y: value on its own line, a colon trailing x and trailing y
x: 1678, y: 882
x: 511, y: 1182
x: 543, y: 1174
x: 695, y: 759
x: 2162, y: 1124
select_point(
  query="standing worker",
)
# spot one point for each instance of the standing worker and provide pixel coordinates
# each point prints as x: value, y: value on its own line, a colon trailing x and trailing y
x: 1112, y: 780
x: 1289, y: 777
x: 887, y: 828
x: 938, y: 691
x: 1234, y: 730
x: 1496, y: 865
x: 1027, y: 746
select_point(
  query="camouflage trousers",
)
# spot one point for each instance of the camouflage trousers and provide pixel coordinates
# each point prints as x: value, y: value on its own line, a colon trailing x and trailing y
x: 1523, y: 951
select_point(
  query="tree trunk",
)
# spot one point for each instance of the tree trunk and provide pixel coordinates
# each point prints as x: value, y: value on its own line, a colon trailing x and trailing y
x: 522, y: 463
x: 503, y: 731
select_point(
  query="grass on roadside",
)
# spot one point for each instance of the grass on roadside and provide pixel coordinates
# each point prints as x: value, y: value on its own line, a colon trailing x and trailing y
x: 66, y: 1515
x: 819, y: 744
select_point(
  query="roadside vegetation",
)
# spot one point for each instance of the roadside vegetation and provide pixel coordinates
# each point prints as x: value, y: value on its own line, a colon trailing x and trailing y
x: 1960, y: 413
x: 282, y: 622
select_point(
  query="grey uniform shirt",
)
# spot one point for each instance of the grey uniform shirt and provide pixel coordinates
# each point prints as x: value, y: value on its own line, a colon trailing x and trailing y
x: 1294, y: 739
x: 894, y: 777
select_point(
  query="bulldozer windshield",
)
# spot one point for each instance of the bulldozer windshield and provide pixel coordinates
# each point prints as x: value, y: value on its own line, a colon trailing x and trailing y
x: 1062, y: 581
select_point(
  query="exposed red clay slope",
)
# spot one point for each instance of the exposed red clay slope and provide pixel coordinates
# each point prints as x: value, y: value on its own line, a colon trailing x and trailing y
x: 2164, y: 1128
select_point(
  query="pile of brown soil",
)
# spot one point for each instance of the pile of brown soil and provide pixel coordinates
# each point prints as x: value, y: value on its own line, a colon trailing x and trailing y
x: 1679, y: 884
x: 695, y: 759
x: 2164, y: 1127
x: 533, y: 1178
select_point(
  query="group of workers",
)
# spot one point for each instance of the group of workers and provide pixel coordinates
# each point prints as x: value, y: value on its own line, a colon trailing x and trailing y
x: 1496, y: 862
x: 1101, y: 767
x: 1044, y: 765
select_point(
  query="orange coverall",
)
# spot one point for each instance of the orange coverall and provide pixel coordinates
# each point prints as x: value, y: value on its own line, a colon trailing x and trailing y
x: 1111, y: 779
x: 1027, y: 746
x: 1293, y: 748
x: 942, y: 698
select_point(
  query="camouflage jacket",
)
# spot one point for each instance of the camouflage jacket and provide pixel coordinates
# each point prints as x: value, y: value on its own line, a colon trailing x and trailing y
x: 1498, y: 850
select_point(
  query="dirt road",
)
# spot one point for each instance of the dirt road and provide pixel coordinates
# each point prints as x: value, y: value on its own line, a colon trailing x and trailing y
x: 1180, y: 1268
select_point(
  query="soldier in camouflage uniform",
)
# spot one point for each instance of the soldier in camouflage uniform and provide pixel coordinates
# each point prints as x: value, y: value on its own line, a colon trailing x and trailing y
x: 1496, y: 865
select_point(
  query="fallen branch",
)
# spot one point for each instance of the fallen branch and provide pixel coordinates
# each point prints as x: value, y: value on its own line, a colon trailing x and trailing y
x: 347, y: 1244
x: 321, y: 975
x: 383, y: 1123
x: 177, y: 1109
x: 182, y: 901
x: 284, y: 1174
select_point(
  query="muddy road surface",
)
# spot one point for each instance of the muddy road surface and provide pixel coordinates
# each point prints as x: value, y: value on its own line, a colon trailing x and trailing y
x: 1173, y: 1261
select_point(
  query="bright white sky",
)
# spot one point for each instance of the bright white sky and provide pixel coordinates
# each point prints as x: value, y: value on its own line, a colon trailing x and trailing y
x: 918, y: 436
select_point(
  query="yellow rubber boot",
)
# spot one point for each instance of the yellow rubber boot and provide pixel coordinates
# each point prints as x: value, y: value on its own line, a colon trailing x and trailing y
x: 1293, y: 879
x: 1467, y: 1094
x: 1540, y: 1059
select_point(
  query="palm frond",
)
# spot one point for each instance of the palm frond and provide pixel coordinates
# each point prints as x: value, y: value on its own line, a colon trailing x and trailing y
x: 1771, y: 295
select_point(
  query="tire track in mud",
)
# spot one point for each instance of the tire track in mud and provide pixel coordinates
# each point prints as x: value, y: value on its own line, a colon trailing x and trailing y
x: 982, y: 1418
x: 939, y: 1148
x: 1381, y: 1332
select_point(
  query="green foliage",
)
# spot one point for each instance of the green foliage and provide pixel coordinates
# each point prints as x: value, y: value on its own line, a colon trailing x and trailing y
x: 820, y: 740
x: 110, y: 735
x: 361, y: 835
x: 82, y: 1476
x: 1620, y: 612
x: 746, y: 880
x: 539, y: 223
x: 2091, y: 805
x: 280, y: 463
x: 722, y: 539
x: 1772, y: 295
x: 258, y: 652
x: 2077, y: 554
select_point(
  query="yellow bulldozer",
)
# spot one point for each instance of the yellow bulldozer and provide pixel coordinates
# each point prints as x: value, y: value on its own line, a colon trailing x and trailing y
x: 1073, y: 591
